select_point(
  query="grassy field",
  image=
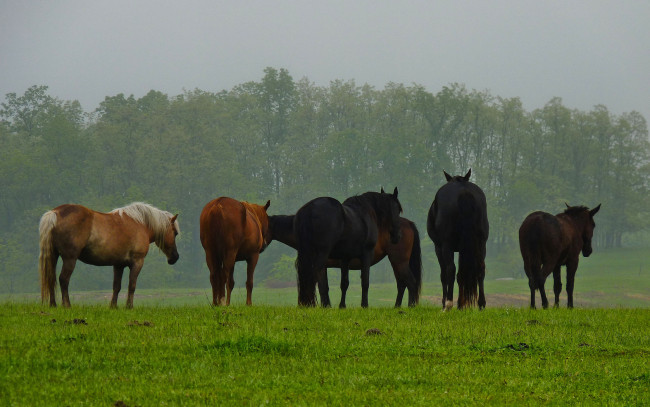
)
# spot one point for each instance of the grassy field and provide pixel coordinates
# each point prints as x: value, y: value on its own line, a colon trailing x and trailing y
x: 175, y: 349
x: 285, y: 355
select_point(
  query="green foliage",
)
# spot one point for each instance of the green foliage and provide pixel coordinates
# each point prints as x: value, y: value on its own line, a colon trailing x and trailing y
x: 291, y: 141
x: 198, y: 355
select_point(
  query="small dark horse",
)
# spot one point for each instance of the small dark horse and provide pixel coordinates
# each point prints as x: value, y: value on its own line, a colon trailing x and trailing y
x: 326, y: 229
x: 120, y: 239
x: 405, y: 257
x: 458, y: 222
x: 548, y: 242
x: 232, y: 231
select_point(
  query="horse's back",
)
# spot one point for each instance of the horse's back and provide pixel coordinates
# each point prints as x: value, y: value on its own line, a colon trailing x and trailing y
x: 454, y: 203
x: 222, y: 222
x: 72, y: 228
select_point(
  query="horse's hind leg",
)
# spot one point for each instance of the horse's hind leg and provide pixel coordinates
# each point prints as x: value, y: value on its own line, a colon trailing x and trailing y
x: 324, y: 289
x: 404, y: 279
x: 481, y: 293
x: 447, y: 275
x: 64, y: 279
x: 345, y: 283
x: 401, y: 287
x: 229, y: 270
x: 117, y: 284
x: 541, y: 279
x: 557, y: 285
x: 250, y: 270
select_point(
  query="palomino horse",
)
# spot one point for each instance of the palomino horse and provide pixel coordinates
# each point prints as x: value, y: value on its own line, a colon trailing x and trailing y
x: 326, y: 229
x: 548, y: 242
x: 458, y: 222
x: 232, y: 231
x: 405, y: 257
x: 120, y: 238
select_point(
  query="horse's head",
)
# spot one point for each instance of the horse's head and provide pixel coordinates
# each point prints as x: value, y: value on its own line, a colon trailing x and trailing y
x: 588, y: 232
x: 458, y: 178
x: 587, y: 220
x: 169, y: 241
x: 392, y: 214
x: 263, y: 217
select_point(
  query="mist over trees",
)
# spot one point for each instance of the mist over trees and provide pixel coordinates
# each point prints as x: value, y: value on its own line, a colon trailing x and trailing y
x: 291, y: 141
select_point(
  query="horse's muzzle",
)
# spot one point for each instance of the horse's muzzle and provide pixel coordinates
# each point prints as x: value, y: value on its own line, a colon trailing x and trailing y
x: 586, y: 251
x: 173, y: 259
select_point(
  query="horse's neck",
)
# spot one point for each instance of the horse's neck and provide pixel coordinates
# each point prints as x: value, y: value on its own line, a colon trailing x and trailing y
x: 283, y: 230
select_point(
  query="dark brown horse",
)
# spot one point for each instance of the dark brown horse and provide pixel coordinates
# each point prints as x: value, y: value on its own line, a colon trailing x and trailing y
x: 326, y: 229
x: 232, y: 231
x: 549, y: 242
x: 458, y: 222
x: 405, y: 257
x: 120, y: 238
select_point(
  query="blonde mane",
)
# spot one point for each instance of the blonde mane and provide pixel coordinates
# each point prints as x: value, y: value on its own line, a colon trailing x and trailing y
x: 153, y: 218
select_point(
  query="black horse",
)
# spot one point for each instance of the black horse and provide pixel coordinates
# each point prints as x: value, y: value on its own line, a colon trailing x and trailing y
x: 458, y: 222
x: 326, y: 229
x: 405, y: 257
x: 548, y: 242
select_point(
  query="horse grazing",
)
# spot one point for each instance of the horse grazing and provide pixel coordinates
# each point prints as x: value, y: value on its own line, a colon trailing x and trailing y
x: 458, y: 222
x: 548, y: 242
x: 120, y: 238
x: 326, y: 229
x: 232, y: 231
x: 405, y: 257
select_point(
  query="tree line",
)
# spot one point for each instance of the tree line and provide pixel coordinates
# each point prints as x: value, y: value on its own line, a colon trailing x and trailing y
x: 291, y: 141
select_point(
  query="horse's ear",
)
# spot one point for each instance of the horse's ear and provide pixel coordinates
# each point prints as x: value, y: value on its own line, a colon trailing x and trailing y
x: 395, y: 192
x: 466, y: 177
x: 268, y: 203
x: 174, y: 218
x: 594, y: 211
x: 447, y: 176
x: 382, y: 190
x: 567, y: 205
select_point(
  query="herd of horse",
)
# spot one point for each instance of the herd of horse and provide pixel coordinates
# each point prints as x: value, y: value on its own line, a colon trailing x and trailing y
x: 353, y: 234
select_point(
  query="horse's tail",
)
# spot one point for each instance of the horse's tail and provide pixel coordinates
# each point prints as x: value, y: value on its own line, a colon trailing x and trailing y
x: 415, y: 262
x: 47, y: 257
x: 468, y: 254
x: 306, y: 258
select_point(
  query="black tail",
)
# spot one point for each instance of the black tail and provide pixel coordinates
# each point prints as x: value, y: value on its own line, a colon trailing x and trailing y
x: 415, y: 262
x: 306, y: 257
x: 468, y: 255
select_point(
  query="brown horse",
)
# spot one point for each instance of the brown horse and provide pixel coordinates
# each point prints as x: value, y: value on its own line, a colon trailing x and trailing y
x: 548, y: 242
x: 120, y: 238
x: 232, y: 231
x: 404, y: 256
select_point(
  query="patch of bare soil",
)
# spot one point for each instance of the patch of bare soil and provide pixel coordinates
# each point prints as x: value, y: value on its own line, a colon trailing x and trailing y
x: 492, y: 300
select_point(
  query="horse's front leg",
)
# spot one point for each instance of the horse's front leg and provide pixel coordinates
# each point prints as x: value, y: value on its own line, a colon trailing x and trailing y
x: 134, y: 272
x: 571, y: 268
x: 324, y: 289
x: 117, y: 284
x: 345, y: 282
x: 64, y: 280
x: 250, y: 270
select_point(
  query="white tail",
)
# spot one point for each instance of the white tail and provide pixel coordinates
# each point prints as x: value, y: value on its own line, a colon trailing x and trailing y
x: 46, y: 259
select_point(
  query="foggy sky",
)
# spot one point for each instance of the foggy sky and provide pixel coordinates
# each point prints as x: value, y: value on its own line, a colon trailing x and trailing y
x: 586, y: 52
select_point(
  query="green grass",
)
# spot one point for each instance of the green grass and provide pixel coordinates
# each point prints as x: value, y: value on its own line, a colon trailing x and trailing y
x: 285, y: 355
